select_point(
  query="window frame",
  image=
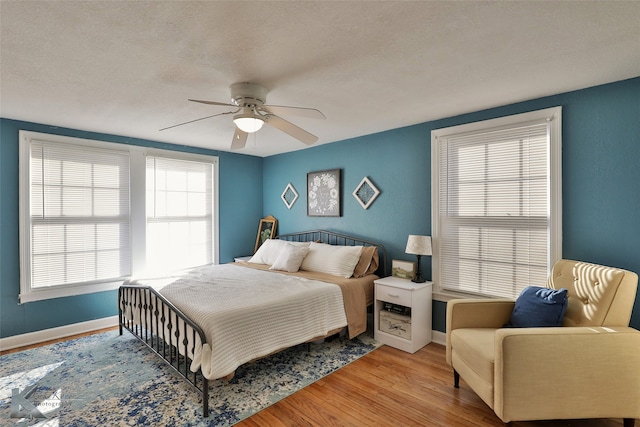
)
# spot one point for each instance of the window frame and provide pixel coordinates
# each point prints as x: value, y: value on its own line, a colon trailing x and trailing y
x: 137, y: 220
x: 554, y: 170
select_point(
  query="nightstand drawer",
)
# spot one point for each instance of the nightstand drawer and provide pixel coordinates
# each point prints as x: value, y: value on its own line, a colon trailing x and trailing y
x: 394, y: 295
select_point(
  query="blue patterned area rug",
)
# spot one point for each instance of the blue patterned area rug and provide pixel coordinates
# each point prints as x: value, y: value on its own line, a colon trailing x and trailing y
x: 111, y: 380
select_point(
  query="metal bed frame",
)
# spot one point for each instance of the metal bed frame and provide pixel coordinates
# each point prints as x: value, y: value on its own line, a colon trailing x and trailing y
x: 161, y: 323
x: 338, y: 239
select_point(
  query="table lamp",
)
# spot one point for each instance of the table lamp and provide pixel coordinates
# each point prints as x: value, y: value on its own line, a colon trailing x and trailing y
x: 418, y: 245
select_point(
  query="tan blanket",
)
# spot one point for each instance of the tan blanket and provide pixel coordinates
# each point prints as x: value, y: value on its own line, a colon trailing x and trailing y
x: 357, y: 294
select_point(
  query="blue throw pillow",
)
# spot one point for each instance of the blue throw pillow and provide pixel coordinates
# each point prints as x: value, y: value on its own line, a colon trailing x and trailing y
x: 539, y: 307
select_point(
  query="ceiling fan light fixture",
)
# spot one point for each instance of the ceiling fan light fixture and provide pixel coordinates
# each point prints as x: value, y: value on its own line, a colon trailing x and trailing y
x: 248, y: 122
x: 250, y: 113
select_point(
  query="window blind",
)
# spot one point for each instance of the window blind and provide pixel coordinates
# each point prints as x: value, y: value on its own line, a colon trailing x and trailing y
x: 494, y: 209
x: 179, y: 213
x: 79, y: 214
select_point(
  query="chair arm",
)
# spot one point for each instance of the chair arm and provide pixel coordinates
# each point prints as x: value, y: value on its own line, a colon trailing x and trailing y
x: 476, y: 313
x: 560, y: 373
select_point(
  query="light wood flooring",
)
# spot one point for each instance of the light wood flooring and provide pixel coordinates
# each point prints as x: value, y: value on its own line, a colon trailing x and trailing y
x: 389, y: 387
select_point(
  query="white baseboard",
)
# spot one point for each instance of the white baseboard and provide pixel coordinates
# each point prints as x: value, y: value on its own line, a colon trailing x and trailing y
x: 439, y: 337
x: 56, y: 333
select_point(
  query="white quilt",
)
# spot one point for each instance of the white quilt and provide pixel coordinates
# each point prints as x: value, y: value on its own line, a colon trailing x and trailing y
x: 247, y: 313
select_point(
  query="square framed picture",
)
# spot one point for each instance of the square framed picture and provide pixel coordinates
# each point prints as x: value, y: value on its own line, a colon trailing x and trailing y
x: 324, y: 192
x: 403, y: 269
x: 289, y: 195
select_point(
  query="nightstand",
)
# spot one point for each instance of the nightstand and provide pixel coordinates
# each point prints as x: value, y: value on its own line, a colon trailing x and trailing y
x: 402, y: 313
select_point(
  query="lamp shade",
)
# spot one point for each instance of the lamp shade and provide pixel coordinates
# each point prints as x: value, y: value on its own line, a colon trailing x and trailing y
x: 418, y: 245
x: 248, y: 122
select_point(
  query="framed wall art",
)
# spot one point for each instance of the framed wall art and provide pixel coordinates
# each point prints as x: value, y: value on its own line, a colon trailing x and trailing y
x: 266, y: 230
x: 403, y: 269
x: 324, y: 193
x: 365, y: 193
x: 289, y: 195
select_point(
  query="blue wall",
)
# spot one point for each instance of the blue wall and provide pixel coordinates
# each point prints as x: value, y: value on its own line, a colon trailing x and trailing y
x: 601, y: 194
x: 240, y: 200
x: 601, y: 180
x: 397, y: 162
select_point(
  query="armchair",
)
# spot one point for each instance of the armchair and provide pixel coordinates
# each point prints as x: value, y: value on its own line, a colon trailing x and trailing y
x: 589, y: 368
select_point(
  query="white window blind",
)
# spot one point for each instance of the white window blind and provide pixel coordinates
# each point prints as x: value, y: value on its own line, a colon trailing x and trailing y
x: 79, y: 231
x: 494, y: 210
x: 179, y: 213
x: 84, y: 225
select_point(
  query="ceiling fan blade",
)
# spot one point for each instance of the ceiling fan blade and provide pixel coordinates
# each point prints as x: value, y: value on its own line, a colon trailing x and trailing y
x: 239, y: 139
x: 197, y: 120
x: 283, y: 110
x: 291, y: 129
x: 213, y: 103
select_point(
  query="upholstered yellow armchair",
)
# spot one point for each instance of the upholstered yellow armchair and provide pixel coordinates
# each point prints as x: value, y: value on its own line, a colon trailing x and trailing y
x: 587, y: 368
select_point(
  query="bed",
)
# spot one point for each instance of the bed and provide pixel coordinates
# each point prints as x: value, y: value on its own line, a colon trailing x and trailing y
x: 208, y: 321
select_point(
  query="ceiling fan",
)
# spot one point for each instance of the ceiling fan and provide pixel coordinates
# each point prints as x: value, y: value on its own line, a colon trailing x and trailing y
x: 250, y: 113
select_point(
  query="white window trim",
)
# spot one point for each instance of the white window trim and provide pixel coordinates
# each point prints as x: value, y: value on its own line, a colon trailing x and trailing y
x: 137, y: 221
x: 555, y: 185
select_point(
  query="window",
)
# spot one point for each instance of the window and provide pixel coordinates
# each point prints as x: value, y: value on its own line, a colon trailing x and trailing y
x: 84, y: 224
x: 497, y: 203
x: 79, y: 215
x: 179, y: 220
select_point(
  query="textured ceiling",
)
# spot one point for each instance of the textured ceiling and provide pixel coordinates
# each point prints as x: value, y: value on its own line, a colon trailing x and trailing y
x: 128, y: 68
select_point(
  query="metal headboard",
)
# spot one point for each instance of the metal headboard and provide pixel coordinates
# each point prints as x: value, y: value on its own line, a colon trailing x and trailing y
x: 338, y: 239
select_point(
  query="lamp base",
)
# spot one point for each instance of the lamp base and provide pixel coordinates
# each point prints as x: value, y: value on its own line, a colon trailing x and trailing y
x: 418, y: 277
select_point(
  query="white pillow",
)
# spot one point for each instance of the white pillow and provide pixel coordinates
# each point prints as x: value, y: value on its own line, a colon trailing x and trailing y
x: 331, y: 259
x: 290, y: 258
x: 268, y: 252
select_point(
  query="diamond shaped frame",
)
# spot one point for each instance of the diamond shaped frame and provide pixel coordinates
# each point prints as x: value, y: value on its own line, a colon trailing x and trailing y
x: 365, y: 193
x: 289, y: 196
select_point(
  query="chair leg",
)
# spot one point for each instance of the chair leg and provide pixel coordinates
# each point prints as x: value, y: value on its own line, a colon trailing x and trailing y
x: 456, y: 384
x: 629, y: 422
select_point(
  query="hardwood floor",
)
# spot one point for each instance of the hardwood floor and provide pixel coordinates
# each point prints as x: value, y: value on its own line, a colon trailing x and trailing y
x: 389, y: 387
